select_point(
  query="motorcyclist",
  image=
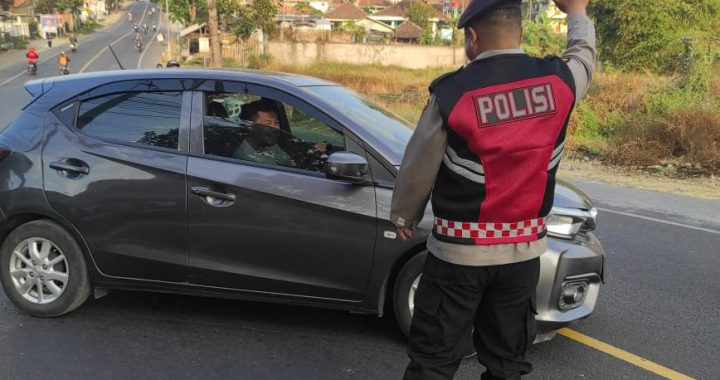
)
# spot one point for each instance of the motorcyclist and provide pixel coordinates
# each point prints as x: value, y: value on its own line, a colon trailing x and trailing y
x: 145, y: 28
x: 73, y: 41
x: 63, y: 62
x: 129, y: 17
x: 32, y: 58
x: 135, y: 26
x: 154, y: 28
x: 138, y: 41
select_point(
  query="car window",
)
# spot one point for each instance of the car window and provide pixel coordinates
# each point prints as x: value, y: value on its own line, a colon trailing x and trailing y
x: 263, y: 130
x: 310, y: 129
x: 151, y: 118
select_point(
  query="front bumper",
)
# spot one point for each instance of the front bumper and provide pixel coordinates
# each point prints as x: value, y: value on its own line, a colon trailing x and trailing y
x: 568, y: 262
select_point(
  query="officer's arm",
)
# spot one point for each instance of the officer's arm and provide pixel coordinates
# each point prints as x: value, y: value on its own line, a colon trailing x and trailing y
x: 580, y: 53
x: 420, y: 166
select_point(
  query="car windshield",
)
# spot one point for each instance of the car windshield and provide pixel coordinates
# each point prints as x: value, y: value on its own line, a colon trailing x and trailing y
x: 389, y: 133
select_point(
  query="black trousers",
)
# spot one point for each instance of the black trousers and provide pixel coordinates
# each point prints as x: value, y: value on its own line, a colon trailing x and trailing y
x: 451, y: 300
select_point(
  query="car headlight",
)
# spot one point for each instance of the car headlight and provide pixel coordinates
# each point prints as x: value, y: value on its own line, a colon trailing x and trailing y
x: 565, y: 223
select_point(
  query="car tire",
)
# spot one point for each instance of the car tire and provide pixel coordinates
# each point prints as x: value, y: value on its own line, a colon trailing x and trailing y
x: 43, y: 269
x: 405, y: 287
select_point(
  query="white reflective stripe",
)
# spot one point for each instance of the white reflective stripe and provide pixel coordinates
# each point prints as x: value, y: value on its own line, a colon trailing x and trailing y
x: 468, y: 164
x: 555, y: 161
x: 461, y: 171
x: 558, y: 149
x: 556, y: 156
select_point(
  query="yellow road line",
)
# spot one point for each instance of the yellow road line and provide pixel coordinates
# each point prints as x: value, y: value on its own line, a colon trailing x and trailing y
x: 623, y: 355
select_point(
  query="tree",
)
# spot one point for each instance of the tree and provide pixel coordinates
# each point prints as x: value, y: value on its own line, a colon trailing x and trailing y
x: 45, y: 6
x: 188, y: 12
x: 420, y: 13
x: 648, y: 34
x: 215, y: 51
x: 242, y: 20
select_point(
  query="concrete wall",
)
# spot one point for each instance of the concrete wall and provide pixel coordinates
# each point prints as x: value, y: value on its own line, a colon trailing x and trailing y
x: 410, y: 56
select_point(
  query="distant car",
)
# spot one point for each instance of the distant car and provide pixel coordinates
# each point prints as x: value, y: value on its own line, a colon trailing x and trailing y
x: 137, y: 180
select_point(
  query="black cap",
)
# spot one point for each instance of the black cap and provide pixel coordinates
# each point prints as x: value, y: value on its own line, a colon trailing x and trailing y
x: 478, y: 7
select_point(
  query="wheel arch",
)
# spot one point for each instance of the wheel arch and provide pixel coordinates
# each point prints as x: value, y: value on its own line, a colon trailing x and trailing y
x: 15, y: 221
x: 387, y: 290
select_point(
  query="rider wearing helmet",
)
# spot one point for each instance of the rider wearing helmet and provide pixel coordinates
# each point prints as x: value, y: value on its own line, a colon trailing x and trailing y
x: 138, y: 41
x: 32, y: 57
x: 63, y: 61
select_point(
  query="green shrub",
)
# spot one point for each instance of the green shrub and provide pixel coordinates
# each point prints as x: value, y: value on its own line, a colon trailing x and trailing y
x: 539, y: 38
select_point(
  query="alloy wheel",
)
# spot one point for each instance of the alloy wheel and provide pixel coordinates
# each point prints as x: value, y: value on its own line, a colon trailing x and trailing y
x: 39, y: 270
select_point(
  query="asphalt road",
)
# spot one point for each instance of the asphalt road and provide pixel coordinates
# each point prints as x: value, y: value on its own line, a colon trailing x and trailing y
x: 92, y: 55
x: 660, y: 302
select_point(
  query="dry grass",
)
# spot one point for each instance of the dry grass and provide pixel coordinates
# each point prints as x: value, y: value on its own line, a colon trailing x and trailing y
x: 625, y: 120
x: 402, y: 90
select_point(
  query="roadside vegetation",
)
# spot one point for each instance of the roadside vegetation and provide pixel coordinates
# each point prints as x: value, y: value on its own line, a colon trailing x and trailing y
x: 638, y: 120
x: 655, y: 100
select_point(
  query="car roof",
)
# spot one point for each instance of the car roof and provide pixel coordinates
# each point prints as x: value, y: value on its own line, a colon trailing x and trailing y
x: 82, y: 82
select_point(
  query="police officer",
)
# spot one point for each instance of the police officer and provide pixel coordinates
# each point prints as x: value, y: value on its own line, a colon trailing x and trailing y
x: 487, y: 149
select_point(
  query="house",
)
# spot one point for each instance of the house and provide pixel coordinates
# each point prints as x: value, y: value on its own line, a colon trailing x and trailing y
x: 408, y: 31
x: 192, y: 35
x: 395, y: 15
x: 15, y: 21
x: 350, y: 13
x: 345, y: 12
x: 558, y: 19
x: 373, y: 6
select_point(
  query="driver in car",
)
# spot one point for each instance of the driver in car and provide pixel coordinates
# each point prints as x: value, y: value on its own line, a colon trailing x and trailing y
x: 263, y: 143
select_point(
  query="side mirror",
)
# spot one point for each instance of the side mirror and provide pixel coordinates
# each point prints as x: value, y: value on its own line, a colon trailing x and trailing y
x: 348, y: 167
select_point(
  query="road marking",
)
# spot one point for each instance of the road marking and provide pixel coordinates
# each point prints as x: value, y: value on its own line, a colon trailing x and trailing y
x: 91, y: 61
x: 623, y: 355
x: 661, y: 221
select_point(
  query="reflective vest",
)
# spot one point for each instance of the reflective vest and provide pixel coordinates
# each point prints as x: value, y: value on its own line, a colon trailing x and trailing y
x: 506, y: 117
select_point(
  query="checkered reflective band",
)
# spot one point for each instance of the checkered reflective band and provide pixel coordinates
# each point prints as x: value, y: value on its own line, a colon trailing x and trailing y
x: 476, y: 230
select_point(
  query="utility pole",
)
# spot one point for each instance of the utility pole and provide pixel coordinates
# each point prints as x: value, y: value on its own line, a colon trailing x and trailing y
x: 215, y: 52
x: 167, y: 26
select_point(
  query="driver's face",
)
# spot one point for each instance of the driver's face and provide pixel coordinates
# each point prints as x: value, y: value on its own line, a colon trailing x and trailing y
x: 267, y: 128
x: 268, y: 118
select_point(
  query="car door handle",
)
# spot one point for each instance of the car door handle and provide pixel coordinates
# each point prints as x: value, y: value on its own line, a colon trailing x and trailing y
x: 205, y: 192
x: 70, y: 165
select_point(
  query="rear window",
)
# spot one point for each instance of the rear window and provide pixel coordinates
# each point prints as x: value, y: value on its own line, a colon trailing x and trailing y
x: 150, y: 118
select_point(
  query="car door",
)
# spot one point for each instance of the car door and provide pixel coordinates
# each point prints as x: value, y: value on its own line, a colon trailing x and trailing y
x: 267, y: 227
x: 114, y: 166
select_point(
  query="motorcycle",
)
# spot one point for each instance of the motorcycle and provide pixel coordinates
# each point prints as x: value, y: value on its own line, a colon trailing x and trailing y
x: 154, y: 28
x: 73, y: 47
x: 135, y: 27
x: 64, y: 70
x: 32, y: 67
